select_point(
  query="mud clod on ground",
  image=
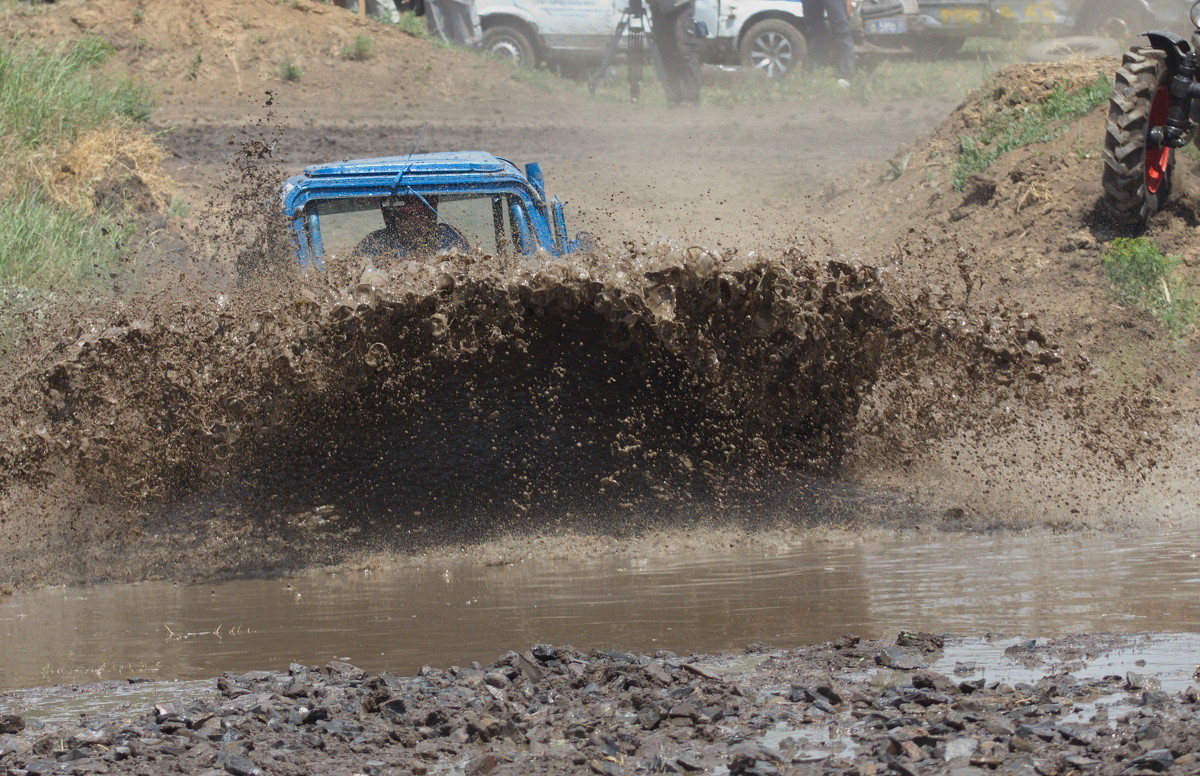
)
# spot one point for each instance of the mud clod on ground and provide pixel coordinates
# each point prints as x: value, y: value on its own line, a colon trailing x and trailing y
x: 848, y: 708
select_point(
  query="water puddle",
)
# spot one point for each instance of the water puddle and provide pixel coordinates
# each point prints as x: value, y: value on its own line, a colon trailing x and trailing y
x: 60, y: 705
x: 809, y: 744
x: 399, y: 618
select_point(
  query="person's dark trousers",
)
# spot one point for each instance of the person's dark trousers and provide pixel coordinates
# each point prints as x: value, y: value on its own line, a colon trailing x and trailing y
x: 679, y: 48
x: 834, y: 42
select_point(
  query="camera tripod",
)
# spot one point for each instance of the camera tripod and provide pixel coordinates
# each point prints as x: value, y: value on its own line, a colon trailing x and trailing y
x: 635, y: 23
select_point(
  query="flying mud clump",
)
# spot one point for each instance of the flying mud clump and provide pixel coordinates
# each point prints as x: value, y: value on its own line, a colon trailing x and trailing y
x: 688, y: 360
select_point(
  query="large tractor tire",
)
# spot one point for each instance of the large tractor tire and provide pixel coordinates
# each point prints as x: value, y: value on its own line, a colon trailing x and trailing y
x: 1137, y: 175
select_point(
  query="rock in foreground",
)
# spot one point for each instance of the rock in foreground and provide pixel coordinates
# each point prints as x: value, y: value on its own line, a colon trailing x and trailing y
x: 852, y: 707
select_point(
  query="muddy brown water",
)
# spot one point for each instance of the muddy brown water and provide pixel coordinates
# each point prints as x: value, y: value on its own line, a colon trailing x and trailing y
x: 399, y: 616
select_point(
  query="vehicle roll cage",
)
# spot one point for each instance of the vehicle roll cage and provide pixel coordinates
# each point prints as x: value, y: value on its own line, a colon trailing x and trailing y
x: 390, y: 177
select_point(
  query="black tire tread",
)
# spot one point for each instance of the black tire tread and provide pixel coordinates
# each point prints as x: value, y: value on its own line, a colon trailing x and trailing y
x: 1125, y: 197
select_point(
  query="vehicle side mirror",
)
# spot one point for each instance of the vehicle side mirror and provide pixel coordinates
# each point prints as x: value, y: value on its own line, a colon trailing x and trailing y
x: 307, y: 231
x: 525, y: 242
x: 560, y: 225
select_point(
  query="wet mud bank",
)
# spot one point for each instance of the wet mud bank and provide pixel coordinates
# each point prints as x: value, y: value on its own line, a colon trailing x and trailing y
x: 178, y: 435
x: 905, y: 705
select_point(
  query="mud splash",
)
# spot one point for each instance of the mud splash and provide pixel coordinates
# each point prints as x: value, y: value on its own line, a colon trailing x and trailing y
x: 504, y: 395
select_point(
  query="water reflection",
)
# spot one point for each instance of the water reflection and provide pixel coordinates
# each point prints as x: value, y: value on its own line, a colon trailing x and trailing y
x: 402, y: 617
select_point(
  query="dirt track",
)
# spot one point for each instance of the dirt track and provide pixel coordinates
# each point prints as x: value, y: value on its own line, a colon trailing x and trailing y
x: 960, y: 349
x: 767, y: 177
x: 752, y: 178
x: 1013, y: 277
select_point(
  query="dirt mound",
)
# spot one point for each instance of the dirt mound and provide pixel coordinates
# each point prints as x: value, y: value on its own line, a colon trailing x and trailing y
x: 1023, y: 232
x: 198, y: 53
x: 1024, y: 229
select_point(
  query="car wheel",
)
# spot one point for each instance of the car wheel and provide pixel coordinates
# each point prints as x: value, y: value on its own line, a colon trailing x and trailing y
x: 773, y: 46
x: 509, y: 44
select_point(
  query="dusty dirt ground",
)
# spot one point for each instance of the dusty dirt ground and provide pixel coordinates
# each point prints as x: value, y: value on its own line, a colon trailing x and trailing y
x: 730, y: 176
x: 1051, y: 406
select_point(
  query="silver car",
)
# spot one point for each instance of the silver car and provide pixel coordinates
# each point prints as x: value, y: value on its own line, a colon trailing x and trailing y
x: 941, y: 27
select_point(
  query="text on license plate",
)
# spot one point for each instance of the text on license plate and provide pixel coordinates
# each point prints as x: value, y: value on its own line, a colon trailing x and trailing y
x: 886, y: 27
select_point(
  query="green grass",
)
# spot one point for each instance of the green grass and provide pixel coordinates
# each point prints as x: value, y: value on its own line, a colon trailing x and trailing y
x: 1143, y: 276
x: 1015, y: 128
x: 289, y: 71
x: 891, y: 79
x: 193, y: 71
x: 360, y: 50
x: 19, y: 7
x: 179, y: 208
x: 408, y: 23
x: 44, y: 245
x: 542, y: 80
x: 49, y: 95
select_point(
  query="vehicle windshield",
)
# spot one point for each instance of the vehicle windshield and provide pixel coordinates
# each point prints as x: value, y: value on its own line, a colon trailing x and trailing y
x: 491, y: 224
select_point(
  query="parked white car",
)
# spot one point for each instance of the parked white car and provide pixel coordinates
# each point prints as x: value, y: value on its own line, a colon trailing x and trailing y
x: 760, y: 33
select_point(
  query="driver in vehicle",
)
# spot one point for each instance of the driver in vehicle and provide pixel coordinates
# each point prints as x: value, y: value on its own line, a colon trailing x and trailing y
x: 411, y: 230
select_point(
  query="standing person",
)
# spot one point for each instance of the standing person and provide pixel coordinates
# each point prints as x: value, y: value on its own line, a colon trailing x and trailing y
x: 675, y: 37
x: 376, y: 9
x: 832, y: 41
x: 454, y: 21
x: 415, y: 7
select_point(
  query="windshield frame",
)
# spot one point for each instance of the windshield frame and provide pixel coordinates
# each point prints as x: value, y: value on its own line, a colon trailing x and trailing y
x: 529, y: 217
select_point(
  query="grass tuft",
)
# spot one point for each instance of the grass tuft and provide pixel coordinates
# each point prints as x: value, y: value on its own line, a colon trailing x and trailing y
x: 45, y: 245
x: 412, y: 24
x: 193, y: 71
x: 1143, y: 276
x: 64, y: 128
x: 1016, y: 128
x: 542, y: 80
x: 48, y: 95
x: 289, y: 71
x: 360, y: 50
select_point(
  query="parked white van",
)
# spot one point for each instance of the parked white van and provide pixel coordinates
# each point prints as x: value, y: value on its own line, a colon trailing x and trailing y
x: 760, y: 33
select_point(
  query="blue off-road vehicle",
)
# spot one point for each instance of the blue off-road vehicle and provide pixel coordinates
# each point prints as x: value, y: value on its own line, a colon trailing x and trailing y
x: 417, y: 206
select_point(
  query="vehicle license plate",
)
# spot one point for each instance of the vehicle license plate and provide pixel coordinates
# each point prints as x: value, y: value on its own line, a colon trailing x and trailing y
x: 886, y: 27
